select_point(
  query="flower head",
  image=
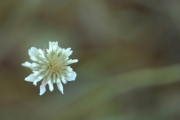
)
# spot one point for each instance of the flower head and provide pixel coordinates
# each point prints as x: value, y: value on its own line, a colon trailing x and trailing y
x: 50, y: 66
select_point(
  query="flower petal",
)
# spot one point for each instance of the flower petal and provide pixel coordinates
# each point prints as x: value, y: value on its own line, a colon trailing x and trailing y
x: 70, y: 61
x: 69, y: 69
x: 38, y: 79
x: 41, y: 54
x: 42, y: 89
x: 51, y: 87
x: 31, y: 78
x: 68, y: 52
x: 72, y: 77
x: 33, y: 58
x: 60, y: 87
x: 27, y: 64
x: 36, y: 73
x: 52, y: 46
x: 33, y: 51
x: 63, y: 79
x: 35, y: 64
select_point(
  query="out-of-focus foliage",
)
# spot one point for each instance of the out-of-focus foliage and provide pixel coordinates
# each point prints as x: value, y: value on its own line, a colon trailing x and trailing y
x: 128, y: 52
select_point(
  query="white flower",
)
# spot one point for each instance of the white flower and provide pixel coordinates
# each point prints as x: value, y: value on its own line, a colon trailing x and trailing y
x: 50, y: 66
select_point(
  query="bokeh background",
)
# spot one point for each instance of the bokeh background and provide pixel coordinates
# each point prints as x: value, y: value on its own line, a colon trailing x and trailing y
x: 128, y: 52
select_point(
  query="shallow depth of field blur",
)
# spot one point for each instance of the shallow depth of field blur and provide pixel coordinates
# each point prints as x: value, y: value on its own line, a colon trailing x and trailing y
x: 128, y: 52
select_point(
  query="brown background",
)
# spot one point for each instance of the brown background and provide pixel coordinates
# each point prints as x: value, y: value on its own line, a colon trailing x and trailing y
x: 128, y: 52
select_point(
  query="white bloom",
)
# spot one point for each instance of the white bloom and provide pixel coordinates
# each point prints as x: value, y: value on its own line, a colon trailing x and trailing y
x: 50, y: 66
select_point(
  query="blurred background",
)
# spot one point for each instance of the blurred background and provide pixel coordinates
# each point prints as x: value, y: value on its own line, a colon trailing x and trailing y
x: 128, y: 52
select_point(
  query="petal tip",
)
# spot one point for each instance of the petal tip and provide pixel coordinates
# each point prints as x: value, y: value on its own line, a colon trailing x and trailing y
x: 42, y: 89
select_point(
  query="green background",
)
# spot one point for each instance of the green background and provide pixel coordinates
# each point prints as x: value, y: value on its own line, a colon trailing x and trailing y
x: 128, y: 52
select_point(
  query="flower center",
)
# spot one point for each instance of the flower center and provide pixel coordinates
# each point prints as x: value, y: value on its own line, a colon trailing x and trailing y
x: 55, y: 67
